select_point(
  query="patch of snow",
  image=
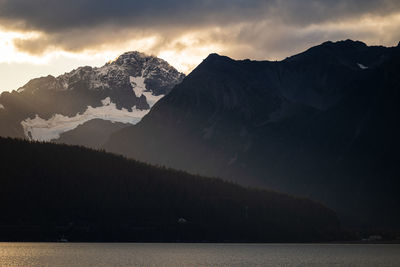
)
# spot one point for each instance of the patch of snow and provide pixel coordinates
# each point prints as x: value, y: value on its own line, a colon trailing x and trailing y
x: 362, y: 66
x: 152, y: 99
x: 20, y: 90
x: 106, y: 101
x: 138, y: 85
x: 1, y: 106
x: 46, y: 130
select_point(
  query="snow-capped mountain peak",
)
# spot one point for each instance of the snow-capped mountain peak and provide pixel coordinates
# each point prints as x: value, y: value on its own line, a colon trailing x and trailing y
x: 122, y: 91
x: 128, y: 58
x: 113, y: 75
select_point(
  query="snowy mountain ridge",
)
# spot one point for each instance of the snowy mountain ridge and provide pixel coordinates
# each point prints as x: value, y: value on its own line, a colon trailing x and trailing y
x: 111, y: 75
x: 122, y: 90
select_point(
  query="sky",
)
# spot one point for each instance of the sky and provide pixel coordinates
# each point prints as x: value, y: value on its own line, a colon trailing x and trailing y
x: 41, y: 37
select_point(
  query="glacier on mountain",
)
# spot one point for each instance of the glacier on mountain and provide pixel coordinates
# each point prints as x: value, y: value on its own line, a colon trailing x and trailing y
x: 46, y: 130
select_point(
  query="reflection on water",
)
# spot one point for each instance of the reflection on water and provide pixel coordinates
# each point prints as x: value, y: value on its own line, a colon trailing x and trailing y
x: 106, y: 254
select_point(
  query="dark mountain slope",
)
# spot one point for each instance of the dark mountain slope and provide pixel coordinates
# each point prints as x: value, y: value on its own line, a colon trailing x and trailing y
x: 49, y: 191
x: 92, y: 134
x: 324, y: 124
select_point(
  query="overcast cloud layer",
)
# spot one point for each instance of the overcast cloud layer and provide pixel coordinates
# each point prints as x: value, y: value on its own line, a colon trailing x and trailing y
x: 268, y: 29
x: 76, y: 25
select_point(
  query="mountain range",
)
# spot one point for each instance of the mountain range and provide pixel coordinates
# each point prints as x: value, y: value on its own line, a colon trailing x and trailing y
x: 322, y: 124
x: 119, y: 94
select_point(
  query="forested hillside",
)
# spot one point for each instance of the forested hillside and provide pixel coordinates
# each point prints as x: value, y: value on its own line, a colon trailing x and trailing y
x: 50, y: 191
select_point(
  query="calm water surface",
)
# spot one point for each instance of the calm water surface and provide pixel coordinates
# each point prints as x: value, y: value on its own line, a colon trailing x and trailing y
x: 106, y: 254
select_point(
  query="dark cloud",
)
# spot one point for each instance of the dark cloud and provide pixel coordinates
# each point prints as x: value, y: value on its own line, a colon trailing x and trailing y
x: 61, y: 15
x: 75, y: 25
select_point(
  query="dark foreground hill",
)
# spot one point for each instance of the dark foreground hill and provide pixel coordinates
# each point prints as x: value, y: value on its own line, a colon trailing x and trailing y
x: 322, y: 124
x: 50, y: 191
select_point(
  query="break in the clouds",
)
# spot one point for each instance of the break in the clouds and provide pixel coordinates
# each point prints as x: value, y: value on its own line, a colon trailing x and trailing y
x: 184, y: 32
